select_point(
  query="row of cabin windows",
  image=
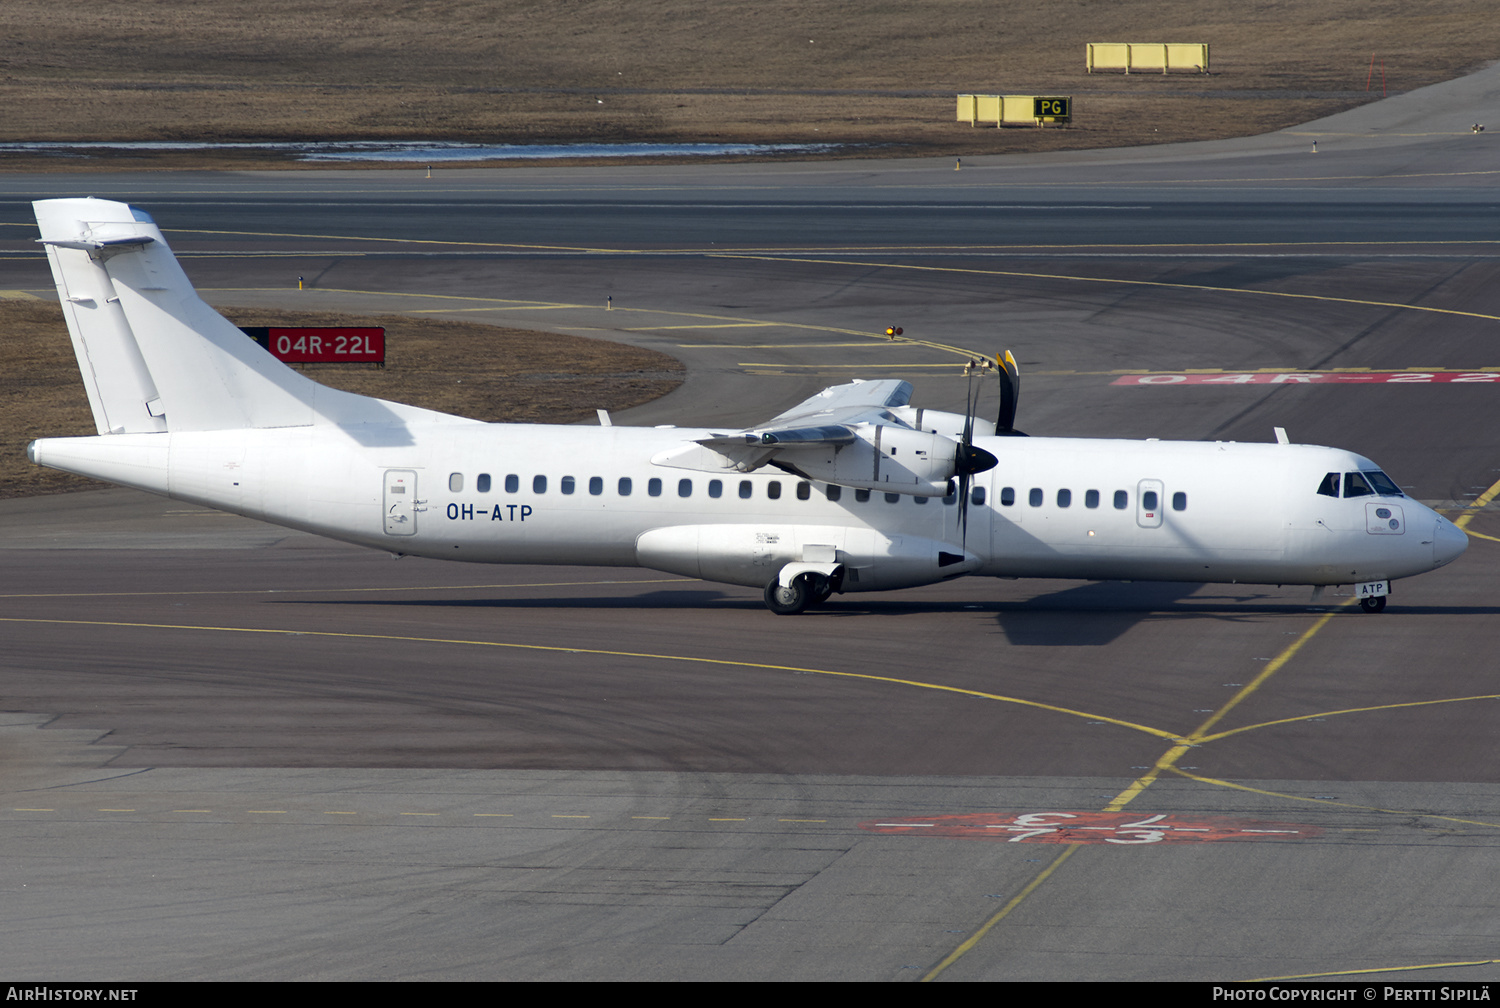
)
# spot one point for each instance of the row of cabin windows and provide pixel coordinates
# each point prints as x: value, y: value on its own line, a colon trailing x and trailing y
x: 654, y: 486
x: 1150, y: 499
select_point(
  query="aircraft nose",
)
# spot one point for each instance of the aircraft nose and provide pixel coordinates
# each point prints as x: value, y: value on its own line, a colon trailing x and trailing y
x: 1448, y: 541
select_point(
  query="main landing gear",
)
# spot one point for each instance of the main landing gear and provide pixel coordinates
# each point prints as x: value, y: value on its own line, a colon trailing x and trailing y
x: 806, y: 589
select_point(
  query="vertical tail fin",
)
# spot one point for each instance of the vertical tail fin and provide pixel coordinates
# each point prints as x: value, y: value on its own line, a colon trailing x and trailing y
x: 155, y: 357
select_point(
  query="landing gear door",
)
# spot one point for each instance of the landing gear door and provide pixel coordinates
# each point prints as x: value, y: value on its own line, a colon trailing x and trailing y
x: 401, y: 502
x: 1148, y: 503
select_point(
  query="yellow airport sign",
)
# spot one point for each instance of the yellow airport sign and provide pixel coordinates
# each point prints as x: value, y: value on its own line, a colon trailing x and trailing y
x: 1014, y: 110
x: 1134, y: 57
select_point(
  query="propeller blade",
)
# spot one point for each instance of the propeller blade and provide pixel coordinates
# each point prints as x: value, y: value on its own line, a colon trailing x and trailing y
x: 971, y: 399
x: 1010, y: 395
x: 963, y: 510
x: 969, y: 460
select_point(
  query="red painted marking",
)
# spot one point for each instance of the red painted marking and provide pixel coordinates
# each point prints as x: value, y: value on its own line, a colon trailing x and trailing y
x: 318, y: 345
x: 1311, y: 378
x: 1092, y: 827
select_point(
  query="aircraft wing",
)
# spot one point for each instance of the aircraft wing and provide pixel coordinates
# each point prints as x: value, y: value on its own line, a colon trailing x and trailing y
x: 828, y: 417
x: 846, y: 434
x: 856, y: 402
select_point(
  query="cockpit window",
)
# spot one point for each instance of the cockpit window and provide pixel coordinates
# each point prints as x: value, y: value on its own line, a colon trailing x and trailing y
x: 1368, y: 484
x: 1330, y: 485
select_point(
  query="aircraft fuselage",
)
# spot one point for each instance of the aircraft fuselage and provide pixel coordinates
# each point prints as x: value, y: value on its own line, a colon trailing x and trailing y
x: 1052, y: 507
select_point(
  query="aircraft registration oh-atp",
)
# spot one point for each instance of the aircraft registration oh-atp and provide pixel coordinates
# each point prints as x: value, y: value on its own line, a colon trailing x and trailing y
x: 853, y: 490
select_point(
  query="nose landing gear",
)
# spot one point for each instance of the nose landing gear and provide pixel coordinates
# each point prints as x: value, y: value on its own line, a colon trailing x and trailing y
x: 1372, y: 595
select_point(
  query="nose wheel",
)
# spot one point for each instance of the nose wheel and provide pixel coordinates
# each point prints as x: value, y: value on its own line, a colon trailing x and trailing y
x: 1373, y: 604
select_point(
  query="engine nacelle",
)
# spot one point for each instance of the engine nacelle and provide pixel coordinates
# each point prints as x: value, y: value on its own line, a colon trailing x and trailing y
x: 941, y: 422
x: 884, y: 457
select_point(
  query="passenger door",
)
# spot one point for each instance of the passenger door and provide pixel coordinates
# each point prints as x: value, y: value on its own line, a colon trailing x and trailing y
x: 401, y: 502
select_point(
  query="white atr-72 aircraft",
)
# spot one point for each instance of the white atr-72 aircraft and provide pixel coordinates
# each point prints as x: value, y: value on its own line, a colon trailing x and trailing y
x: 853, y: 490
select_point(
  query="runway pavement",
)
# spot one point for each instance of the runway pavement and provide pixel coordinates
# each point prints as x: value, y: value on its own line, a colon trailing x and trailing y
x: 237, y: 752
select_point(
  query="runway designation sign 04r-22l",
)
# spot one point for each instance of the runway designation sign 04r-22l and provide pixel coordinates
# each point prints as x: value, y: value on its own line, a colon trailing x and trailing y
x: 321, y: 345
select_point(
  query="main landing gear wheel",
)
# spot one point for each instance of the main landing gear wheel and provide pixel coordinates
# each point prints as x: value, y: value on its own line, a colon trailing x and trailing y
x: 788, y: 601
x: 1375, y: 603
x: 805, y: 590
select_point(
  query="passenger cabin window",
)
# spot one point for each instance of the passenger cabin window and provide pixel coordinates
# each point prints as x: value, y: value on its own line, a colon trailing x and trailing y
x: 773, y: 490
x: 596, y: 485
x: 861, y: 495
x: 804, y: 490
x: 1007, y: 496
x: 539, y: 484
x: 977, y: 496
x: 624, y: 486
x: 1179, y: 501
x: 746, y: 489
x: 1148, y: 500
x: 684, y: 488
x: 834, y: 492
x: 1091, y: 498
x: 1036, y: 497
x: 456, y: 482
x: 891, y: 498
x: 482, y: 483
x: 653, y: 487
x: 1064, y: 498
x: 921, y: 500
x: 567, y: 484
x: 716, y: 488
x: 1122, y: 500
x: 512, y: 483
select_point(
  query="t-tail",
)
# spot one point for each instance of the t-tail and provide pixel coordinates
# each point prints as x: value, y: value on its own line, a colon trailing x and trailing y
x: 157, y: 361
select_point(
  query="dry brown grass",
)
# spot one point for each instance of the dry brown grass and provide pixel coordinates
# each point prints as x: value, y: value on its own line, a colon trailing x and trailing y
x: 475, y: 370
x: 866, y: 72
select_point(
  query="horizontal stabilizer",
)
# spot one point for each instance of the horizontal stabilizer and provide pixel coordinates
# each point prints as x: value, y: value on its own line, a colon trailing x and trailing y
x: 99, y: 245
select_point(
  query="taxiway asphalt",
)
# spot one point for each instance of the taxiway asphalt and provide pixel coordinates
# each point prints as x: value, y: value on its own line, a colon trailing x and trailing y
x: 243, y: 753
